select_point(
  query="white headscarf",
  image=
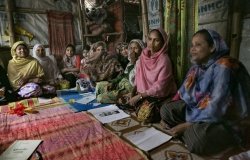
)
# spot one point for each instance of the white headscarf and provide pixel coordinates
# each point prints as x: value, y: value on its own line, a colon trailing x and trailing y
x: 49, y: 67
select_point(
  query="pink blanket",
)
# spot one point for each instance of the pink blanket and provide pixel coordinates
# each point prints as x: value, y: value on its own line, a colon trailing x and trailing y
x: 66, y: 135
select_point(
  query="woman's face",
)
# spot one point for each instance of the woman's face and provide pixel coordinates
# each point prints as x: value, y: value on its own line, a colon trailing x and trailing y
x: 22, y: 51
x: 124, y: 51
x: 69, y: 51
x: 85, y: 53
x: 135, y: 51
x: 40, y: 52
x: 100, y: 49
x: 154, y: 42
x: 200, y: 50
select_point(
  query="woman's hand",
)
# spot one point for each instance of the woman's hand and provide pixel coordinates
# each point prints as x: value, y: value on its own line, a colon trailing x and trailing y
x: 179, y: 129
x: 2, y: 92
x: 64, y: 70
x: 110, y: 86
x: 134, y: 100
x: 22, y: 81
x: 36, y: 80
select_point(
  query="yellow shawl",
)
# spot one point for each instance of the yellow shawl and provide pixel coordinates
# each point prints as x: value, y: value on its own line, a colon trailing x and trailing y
x: 22, y: 67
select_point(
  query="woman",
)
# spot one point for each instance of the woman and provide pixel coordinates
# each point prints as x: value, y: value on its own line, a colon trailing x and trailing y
x: 214, y: 99
x: 24, y: 70
x: 153, y: 73
x: 122, y: 54
x: 110, y: 92
x: 51, y: 71
x: 100, y: 66
x: 6, y: 91
x: 70, y: 66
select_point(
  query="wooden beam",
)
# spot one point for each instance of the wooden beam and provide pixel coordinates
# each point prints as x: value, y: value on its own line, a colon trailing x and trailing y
x: 236, y: 28
x: 82, y: 30
x: 85, y: 30
x: 145, y: 26
x: 9, y: 8
x: 161, y: 13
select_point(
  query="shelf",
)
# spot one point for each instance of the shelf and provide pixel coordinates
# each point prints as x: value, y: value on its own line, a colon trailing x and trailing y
x: 107, y: 34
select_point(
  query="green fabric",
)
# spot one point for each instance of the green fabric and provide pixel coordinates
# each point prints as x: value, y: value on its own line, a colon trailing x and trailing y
x: 179, y: 14
x: 106, y: 95
x: 116, y: 80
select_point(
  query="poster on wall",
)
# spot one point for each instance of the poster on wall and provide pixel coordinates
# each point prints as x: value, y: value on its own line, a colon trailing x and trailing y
x: 213, y: 14
x: 154, y: 20
x: 213, y: 10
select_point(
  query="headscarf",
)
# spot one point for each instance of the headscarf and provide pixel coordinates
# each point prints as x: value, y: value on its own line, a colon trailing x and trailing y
x: 94, y: 57
x: 22, y: 67
x: 154, y: 73
x: 140, y: 42
x: 119, y: 46
x: 42, y: 60
x: 49, y: 67
x: 129, y: 71
x: 217, y: 88
x: 18, y: 60
x: 102, y: 66
x: 221, y: 48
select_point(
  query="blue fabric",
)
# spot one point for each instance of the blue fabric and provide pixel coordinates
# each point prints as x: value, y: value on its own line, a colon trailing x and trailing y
x: 218, y: 90
x: 68, y: 95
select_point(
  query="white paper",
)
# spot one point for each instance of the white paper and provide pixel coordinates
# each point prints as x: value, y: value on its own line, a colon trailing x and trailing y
x: 149, y: 139
x: 88, y: 97
x: 108, y: 113
x: 20, y: 150
x: 243, y: 155
x: 44, y: 100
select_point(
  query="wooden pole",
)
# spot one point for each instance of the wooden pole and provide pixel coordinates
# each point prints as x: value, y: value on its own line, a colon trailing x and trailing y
x: 236, y: 28
x: 85, y: 30
x: 81, y: 23
x: 144, y: 19
x: 9, y: 9
x: 161, y: 13
x: 123, y: 28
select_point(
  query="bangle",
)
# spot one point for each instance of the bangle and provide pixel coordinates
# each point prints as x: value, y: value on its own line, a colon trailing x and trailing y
x: 141, y: 96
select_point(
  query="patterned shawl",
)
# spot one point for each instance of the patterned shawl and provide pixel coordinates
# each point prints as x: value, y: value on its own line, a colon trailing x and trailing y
x: 218, y: 90
x: 154, y: 73
x: 22, y: 67
x: 102, y: 66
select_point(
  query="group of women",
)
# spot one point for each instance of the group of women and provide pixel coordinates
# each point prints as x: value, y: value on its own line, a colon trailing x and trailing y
x: 208, y: 112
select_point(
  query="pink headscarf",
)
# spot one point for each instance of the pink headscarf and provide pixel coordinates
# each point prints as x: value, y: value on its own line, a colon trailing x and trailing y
x: 154, y: 74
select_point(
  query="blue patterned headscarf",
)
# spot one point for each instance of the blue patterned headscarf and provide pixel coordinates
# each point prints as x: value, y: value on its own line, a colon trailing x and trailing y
x: 221, y: 48
x: 218, y: 90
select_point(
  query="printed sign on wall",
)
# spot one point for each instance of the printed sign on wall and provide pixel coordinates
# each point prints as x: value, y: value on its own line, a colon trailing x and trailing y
x: 154, y: 20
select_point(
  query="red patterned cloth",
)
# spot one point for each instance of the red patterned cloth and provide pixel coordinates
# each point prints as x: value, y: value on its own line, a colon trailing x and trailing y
x: 66, y: 135
x: 60, y: 30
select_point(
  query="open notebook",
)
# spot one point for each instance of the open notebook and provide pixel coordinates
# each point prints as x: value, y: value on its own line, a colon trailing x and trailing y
x: 20, y: 150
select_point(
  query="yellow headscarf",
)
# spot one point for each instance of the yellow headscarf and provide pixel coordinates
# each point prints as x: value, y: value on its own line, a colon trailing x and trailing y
x: 27, y: 67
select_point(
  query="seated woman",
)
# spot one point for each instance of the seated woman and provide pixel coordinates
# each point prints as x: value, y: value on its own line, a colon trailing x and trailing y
x: 122, y: 54
x: 51, y: 70
x: 214, y: 99
x: 24, y: 71
x: 85, y: 54
x: 6, y: 91
x: 153, y: 73
x: 70, y: 65
x: 110, y: 92
x: 101, y: 66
